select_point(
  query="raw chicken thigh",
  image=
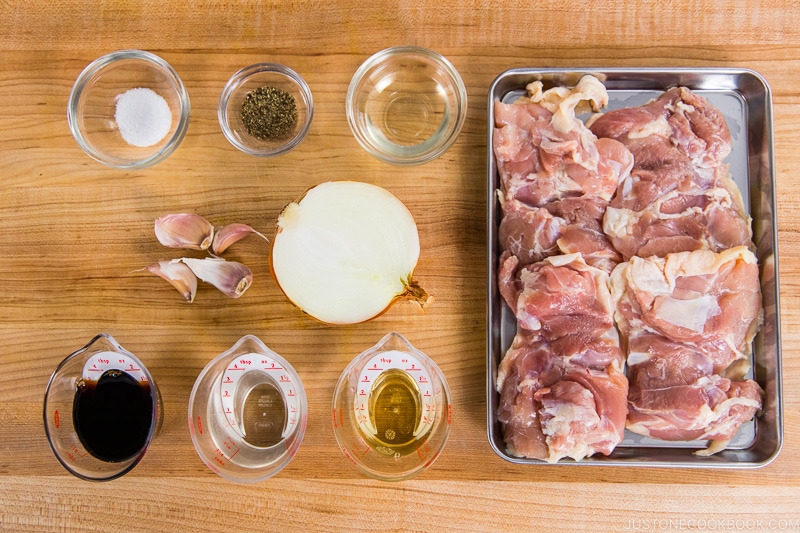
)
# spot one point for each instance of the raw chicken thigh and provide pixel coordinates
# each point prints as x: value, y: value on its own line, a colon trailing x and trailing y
x: 562, y: 390
x: 552, y: 168
x: 679, y: 195
x: 689, y: 319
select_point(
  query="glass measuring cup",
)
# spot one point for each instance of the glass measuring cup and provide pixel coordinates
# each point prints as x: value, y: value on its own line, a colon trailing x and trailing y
x: 247, y: 412
x: 101, y: 410
x: 391, y: 410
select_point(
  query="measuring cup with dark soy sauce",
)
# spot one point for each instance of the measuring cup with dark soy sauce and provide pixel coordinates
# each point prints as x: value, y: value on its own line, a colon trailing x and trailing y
x: 101, y: 410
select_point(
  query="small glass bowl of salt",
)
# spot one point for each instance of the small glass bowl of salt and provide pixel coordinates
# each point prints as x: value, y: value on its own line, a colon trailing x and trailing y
x: 128, y: 109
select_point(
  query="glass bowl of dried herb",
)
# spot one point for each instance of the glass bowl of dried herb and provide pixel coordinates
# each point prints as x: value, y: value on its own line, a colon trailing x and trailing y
x: 265, y: 109
x: 128, y: 109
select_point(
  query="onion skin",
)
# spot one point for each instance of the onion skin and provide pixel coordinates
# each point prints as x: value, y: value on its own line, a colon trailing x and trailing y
x: 327, y: 260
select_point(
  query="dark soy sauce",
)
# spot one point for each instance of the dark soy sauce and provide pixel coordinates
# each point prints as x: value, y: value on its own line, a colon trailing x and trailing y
x: 113, y: 415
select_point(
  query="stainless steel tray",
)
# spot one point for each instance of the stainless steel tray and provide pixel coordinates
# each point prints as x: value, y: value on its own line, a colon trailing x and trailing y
x: 745, y: 99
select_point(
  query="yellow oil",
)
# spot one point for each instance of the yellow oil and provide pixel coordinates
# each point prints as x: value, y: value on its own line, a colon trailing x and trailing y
x: 395, y: 411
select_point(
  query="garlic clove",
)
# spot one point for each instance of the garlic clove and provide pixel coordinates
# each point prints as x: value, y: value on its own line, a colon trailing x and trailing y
x: 178, y: 275
x: 230, y: 277
x: 184, y: 230
x: 230, y: 234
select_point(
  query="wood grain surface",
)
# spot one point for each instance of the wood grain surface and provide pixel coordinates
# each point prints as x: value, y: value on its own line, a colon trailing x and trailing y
x: 73, y: 234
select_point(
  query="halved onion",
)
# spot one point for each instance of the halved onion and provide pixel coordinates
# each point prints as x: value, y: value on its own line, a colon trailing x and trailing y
x: 346, y: 251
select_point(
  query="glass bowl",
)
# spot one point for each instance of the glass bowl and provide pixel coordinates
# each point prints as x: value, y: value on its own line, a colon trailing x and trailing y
x: 274, y: 136
x: 406, y: 105
x: 96, y: 98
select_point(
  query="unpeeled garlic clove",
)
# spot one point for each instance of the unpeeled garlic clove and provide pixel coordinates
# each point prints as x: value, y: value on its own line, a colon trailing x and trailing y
x: 230, y: 277
x: 178, y: 275
x: 184, y: 230
x: 230, y: 234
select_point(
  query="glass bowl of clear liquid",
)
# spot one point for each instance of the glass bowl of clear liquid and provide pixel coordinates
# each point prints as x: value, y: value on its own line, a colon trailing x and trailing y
x: 406, y: 105
x: 392, y: 410
x: 247, y: 412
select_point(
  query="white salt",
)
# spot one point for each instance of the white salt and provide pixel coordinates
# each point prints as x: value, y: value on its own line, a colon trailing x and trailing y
x: 143, y: 117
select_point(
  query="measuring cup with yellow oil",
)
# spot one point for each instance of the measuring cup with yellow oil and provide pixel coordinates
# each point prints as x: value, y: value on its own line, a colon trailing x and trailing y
x: 391, y: 410
x: 247, y: 412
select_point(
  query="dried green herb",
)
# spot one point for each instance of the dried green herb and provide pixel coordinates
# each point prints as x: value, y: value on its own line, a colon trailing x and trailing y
x: 269, y: 112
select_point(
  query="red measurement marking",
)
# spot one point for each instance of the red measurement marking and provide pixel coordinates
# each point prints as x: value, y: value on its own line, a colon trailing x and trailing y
x: 56, y: 419
x: 422, y: 451
x: 284, y: 379
x: 375, y: 367
x: 228, y: 379
x: 292, y: 409
x: 95, y: 370
x: 199, y: 425
x: 273, y: 367
x: 423, y: 379
x: 365, y: 380
x: 234, y: 368
x: 362, y: 393
x: 427, y: 394
x: 234, y: 453
x: 290, y: 393
x: 412, y: 369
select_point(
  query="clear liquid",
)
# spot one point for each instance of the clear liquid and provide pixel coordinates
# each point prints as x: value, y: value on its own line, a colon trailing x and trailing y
x: 395, y: 411
x: 264, y: 416
x: 405, y: 111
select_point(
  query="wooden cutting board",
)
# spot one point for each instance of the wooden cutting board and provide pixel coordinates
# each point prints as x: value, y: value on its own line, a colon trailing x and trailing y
x: 75, y: 233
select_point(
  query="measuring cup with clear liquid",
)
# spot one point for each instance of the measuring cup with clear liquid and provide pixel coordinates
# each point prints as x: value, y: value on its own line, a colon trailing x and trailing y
x: 391, y: 410
x: 101, y: 410
x: 247, y: 412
